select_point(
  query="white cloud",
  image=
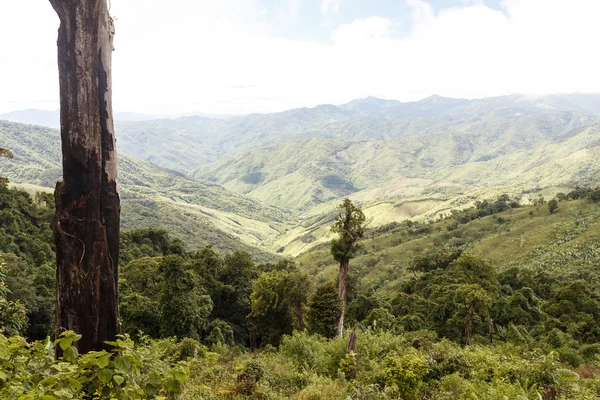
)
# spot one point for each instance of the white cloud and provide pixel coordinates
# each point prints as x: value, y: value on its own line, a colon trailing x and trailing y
x: 372, y: 29
x: 294, y: 6
x: 330, y: 6
x: 219, y: 57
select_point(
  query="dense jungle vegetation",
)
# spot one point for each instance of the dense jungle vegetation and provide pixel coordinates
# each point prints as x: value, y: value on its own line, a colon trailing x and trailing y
x: 497, y: 301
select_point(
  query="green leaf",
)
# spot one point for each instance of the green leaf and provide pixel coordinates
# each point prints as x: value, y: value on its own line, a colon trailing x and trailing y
x: 119, y: 379
x: 63, y: 394
x: 103, y: 360
x: 180, y: 376
x: 70, y: 354
x: 105, y: 375
x: 65, y: 342
x: 122, y: 364
x: 49, y: 381
x: 75, y: 384
x: 47, y: 397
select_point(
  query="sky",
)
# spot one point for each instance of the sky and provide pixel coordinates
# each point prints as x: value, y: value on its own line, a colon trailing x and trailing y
x: 244, y: 56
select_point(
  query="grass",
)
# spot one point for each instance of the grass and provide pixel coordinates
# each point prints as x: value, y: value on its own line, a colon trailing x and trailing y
x: 198, y: 212
x: 519, y: 236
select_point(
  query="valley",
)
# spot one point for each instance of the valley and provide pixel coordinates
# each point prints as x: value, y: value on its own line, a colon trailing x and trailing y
x: 270, y: 182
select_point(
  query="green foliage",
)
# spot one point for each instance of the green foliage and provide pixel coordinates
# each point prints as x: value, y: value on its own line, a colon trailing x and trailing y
x: 324, y: 311
x: 279, y: 297
x: 25, y: 226
x: 363, y: 304
x: 13, y: 318
x: 404, y: 374
x: 184, y: 310
x: 29, y: 371
x: 380, y: 319
x: 484, y: 208
x: 349, y: 226
x: 27, y: 247
x: 552, y: 205
x: 220, y: 332
x: 232, y: 297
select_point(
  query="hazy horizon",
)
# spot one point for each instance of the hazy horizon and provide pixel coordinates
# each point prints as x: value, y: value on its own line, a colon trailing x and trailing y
x: 260, y: 56
x: 207, y: 115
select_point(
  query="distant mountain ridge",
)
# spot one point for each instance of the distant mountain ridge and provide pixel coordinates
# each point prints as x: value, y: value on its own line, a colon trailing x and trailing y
x: 51, y: 119
x: 195, y: 141
x: 333, y: 160
x: 199, y: 212
x: 272, y: 180
x: 184, y: 144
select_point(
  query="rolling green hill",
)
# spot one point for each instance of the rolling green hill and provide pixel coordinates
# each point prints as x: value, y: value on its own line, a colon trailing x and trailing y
x: 187, y: 143
x: 196, y: 211
x: 399, y: 160
x: 564, y: 242
x: 300, y: 175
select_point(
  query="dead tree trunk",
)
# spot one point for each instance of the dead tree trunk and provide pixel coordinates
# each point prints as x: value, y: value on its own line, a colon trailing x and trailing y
x: 86, y: 223
x: 344, y: 265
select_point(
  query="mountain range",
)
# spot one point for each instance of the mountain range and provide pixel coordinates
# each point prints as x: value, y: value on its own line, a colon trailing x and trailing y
x: 272, y: 180
x: 199, y: 212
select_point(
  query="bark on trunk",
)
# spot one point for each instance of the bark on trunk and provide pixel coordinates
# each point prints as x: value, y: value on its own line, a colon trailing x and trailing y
x: 549, y: 392
x: 86, y: 223
x: 352, y: 341
x: 342, y: 293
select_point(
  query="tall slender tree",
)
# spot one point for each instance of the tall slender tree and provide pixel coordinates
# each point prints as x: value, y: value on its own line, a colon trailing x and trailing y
x: 349, y: 226
x: 86, y: 223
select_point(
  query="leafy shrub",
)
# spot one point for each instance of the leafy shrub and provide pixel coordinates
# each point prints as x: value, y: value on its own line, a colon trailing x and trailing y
x: 30, y: 371
x: 190, y: 348
x: 322, y: 389
x: 404, y: 374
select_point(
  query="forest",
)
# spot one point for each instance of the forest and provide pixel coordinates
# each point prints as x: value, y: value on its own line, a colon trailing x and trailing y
x: 203, y: 325
x: 434, y: 249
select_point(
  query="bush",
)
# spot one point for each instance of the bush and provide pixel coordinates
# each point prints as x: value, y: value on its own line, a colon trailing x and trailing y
x: 314, y: 352
x: 322, y: 389
x: 31, y: 372
x: 190, y: 348
x: 404, y: 374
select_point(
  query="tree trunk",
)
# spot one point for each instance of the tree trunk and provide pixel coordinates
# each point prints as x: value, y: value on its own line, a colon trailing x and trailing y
x: 352, y: 341
x: 342, y: 293
x: 549, y: 392
x: 86, y: 223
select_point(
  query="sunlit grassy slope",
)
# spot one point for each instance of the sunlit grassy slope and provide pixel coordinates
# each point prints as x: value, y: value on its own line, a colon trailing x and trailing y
x: 199, y: 212
x: 302, y: 175
x: 274, y: 180
x: 528, y: 236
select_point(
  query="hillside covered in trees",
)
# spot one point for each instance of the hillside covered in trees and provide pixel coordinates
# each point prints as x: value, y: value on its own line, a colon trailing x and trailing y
x: 471, y: 271
x: 305, y: 200
x: 495, y: 301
